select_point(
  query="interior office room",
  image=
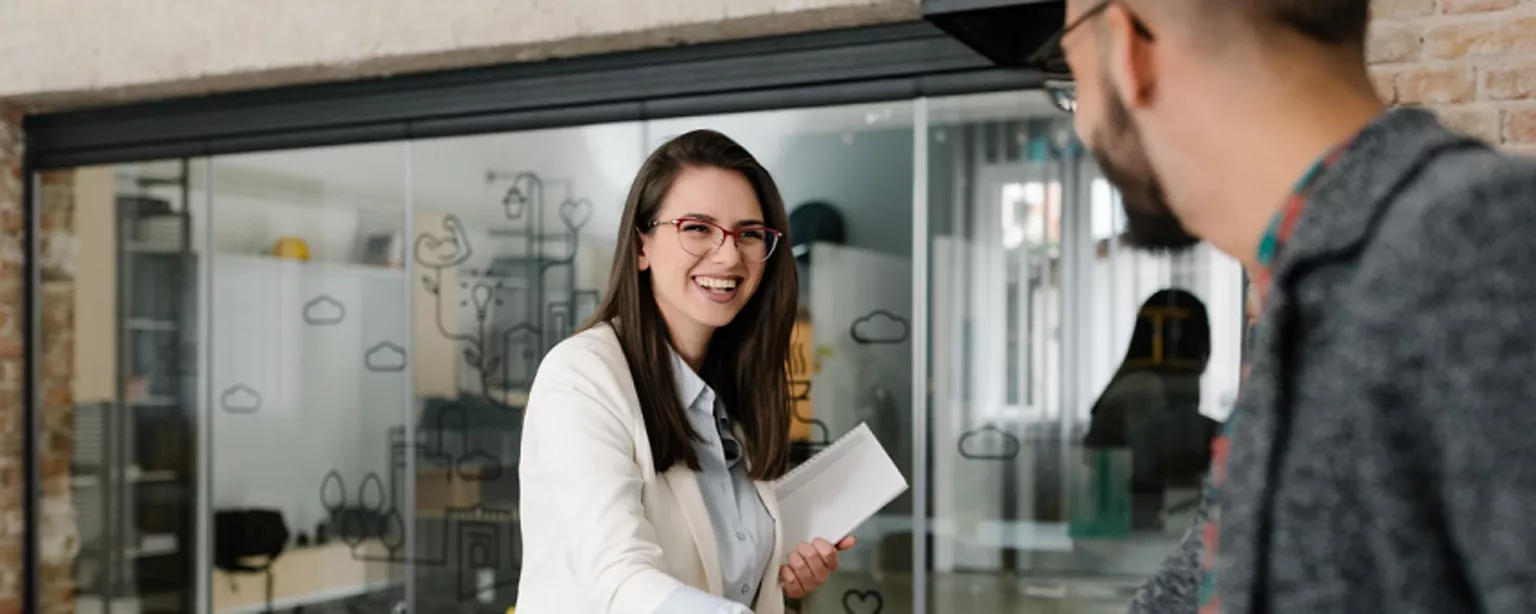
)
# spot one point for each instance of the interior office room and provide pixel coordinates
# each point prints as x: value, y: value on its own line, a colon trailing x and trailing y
x: 285, y: 337
x: 361, y: 411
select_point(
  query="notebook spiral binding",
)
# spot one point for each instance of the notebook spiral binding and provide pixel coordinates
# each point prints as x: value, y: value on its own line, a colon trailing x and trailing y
x: 830, y: 447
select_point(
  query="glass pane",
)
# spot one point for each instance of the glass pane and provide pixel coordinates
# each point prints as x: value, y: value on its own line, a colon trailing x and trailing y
x: 120, y: 399
x: 308, y: 378
x: 845, y: 174
x: 1040, y: 500
x: 513, y: 237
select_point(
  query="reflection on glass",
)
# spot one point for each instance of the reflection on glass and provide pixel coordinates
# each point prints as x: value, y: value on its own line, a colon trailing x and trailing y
x: 1150, y: 411
x: 1033, y: 305
x: 308, y: 351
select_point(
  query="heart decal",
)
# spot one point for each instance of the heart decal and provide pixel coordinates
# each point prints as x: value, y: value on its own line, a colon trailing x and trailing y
x: 576, y: 213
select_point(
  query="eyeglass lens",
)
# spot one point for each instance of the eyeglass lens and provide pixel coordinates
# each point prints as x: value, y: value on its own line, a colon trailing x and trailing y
x: 1063, y: 94
x: 700, y: 238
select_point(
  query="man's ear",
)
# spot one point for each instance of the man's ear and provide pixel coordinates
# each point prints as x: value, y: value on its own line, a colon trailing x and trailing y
x: 1131, y: 65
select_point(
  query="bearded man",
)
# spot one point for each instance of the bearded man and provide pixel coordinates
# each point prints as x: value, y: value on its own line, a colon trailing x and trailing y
x: 1382, y: 454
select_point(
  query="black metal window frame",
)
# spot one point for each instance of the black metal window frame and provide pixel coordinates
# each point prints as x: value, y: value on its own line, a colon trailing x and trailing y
x: 866, y: 64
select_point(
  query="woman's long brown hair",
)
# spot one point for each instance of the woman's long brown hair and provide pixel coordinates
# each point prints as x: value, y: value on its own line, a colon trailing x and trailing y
x: 747, y: 360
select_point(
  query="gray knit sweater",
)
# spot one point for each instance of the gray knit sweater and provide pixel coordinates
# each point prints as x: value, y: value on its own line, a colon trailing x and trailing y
x: 1383, y: 454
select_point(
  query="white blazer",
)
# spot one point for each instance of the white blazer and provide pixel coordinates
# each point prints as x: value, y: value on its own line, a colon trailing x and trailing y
x: 603, y: 533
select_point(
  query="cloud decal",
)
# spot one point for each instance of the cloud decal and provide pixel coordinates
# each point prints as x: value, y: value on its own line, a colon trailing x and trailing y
x: 324, y: 311
x: 385, y: 357
x: 880, y: 327
x: 989, y: 443
x: 240, y: 399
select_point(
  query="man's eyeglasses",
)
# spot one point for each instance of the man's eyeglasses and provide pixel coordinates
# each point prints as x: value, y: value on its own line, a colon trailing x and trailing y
x: 1051, y: 61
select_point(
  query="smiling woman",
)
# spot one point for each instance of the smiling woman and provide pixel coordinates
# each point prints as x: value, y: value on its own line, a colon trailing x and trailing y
x: 681, y: 373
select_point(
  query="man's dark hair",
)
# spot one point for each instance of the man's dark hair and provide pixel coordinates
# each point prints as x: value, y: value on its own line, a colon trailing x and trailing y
x: 1334, y: 22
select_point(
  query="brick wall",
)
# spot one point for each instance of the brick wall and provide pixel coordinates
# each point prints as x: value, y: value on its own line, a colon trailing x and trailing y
x: 1472, y: 61
x: 12, y: 355
x: 58, y: 541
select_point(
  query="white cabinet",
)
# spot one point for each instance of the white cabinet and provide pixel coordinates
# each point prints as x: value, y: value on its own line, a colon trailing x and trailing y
x: 308, y: 377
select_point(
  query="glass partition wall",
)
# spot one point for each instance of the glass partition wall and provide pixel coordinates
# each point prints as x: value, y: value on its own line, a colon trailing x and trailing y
x: 298, y: 376
x: 1065, y: 449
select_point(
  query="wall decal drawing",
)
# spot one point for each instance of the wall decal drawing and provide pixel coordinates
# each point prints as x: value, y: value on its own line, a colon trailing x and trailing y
x: 576, y: 212
x: 324, y: 310
x: 470, y: 464
x: 525, y: 299
x: 989, y: 443
x: 240, y: 399
x: 856, y: 601
x: 815, y: 443
x: 474, y: 537
x: 799, y: 390
x: 385, y: 357
x: 587, y: 300
x: 437, y: 251
x: 516, y: 291
x: 880, y: 327
x: 523, y: 190
x: 818, y: 443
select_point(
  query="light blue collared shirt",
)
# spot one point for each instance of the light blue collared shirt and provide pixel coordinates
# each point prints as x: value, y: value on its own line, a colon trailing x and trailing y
x: 743, y: 528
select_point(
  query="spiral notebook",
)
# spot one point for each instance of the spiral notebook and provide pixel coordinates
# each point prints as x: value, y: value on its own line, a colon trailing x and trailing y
x: 833, y: 492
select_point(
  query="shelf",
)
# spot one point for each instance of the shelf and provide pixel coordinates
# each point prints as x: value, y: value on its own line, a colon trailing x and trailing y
x: 155, y: 249
x: 91, y: 603
x: 338, y: 267
x: 150, y: 545
x: 154, y: 401
x: 151, y: 324
x: 153, y: 544
x: 145, y: 477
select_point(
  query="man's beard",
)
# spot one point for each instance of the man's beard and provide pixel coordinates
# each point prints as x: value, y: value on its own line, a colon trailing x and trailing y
x: 1149, y: 223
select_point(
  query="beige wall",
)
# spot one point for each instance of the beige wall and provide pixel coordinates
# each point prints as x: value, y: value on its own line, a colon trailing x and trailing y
x: 71, y: 52
x: 95, y: 285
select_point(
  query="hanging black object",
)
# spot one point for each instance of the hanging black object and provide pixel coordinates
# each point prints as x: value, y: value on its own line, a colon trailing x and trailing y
x: 1005, y: 31
x: 249, y: 533
x: 814, y: 222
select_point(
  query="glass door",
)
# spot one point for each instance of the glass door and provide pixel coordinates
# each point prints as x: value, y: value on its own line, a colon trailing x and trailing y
x: 308, y: 353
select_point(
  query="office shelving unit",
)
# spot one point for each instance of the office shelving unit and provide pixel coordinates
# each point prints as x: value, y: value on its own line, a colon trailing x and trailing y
x: 134, y: 479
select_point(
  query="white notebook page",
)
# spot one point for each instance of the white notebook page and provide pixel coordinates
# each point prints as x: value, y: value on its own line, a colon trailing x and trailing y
x: 833, y: 492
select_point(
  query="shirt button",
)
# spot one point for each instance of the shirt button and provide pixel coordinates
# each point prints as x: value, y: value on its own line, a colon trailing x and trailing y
x: 741, y: 536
